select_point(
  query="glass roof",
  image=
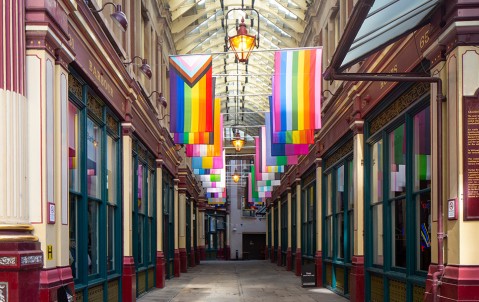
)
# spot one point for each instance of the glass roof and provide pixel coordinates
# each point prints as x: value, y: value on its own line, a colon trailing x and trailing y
x: 200, y: 27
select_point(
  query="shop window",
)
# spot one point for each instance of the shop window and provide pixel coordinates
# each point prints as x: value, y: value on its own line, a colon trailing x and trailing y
x: 93, y: 151
x: 308, y: 220
x: 329, y: 216
x: 399, y: 157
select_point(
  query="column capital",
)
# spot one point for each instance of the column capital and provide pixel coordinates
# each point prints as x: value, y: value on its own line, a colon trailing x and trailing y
x: 159, y: 163
x: 127, y: 129
x: 319, y: 162
x: 357, y: 126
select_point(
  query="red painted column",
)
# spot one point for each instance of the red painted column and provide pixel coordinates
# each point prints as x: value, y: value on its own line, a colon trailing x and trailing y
x: 279, y: 257
x: 289, y: 259
x: 192, y: 258
x: 357, y: 279
x: 183, y: 260
x: 459, y: 283
x: 177, y: 263
x: 128, y: 289
x: 266, y: 255
x: 202, y: 252
x: 160, y: 269
x: 52, y: 279
x: 298, y: 262
x: 197, y: 255
x: 318, y: 263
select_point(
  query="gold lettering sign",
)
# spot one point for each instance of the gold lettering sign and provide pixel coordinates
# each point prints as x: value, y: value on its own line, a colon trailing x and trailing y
x: 96, y: 72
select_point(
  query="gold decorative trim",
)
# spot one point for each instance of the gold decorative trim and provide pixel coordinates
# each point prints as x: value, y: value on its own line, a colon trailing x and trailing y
x: 94, y: 105
x: 340, y: 153
x: 398, y: 106
x: 397, y: 291
x: 377, y: 289
x: 418, y: 293
x: 112, y: 123
x: 74, y: 86
x: 16, y: 227
x: 16, y: 232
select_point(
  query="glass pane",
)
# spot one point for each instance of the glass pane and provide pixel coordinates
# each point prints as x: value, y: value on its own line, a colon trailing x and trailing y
x: 329, y: 230
x: 150, y: 241
x: 141, y: 229
x: 329, y: 191
x: 110, y: 239
x: 112, y: 168
x: 423, y: 227
x: 73, y: 235
x: 73, y: 147
x: 422, y: 150
x: 397, y: 161
x: 151, y: 197
x: 398, y: 209
x: 377, y: 172
x: 378, y: 256
x: 140, y: 188
x: 311, y: 204
x: 340, y: 237
x: 93, y: 238
x: 350, y: 186
x: 93, y: 159
x: 340, y: 189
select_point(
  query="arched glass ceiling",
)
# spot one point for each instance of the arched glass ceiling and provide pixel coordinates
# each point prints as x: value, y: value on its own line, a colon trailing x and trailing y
x: 243, y: 88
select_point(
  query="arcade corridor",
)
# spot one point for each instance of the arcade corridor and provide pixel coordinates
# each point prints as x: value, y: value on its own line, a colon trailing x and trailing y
x: 234, y: 281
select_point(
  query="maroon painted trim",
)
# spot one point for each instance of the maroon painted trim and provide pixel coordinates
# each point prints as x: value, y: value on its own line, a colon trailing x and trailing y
x: 298, y: 263
x: 318, y: 264
x: 227, y: 253
x: 202, y: 252
x: 128, y: 277
x: 183, y: 260
x: 459, y: 283
x: 357, y: 277
x: 289, y: 259
x: 279, y: 258
x: 177, y: 263
x: 192, y: 258
x: 8, y: 59
x: 160, y: 270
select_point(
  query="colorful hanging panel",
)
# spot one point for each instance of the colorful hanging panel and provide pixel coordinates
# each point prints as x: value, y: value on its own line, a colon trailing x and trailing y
x: 207, y: 162
x: 216, y: 201
x: 217, y: 147
x: 297, y: 95
x: 267, y: 158
x: 214, y: 190
x: 216, y: 195
x: 257, y: 165
x: 206, y: 171
x: 253, y: 196
x: 210, y: 177
x: 280, y: 149
x: 191, y: 93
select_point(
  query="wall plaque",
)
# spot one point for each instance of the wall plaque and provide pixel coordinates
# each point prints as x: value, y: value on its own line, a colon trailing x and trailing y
x: 471, y: 158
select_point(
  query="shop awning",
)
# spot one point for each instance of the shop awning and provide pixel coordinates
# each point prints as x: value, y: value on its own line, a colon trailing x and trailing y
x: 377, y: 23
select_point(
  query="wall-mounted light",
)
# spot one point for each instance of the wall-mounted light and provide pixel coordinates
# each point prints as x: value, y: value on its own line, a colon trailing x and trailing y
x: 160, y: 98
x: 237, y: 141
x: 145, y: 67
x: 118, y: 15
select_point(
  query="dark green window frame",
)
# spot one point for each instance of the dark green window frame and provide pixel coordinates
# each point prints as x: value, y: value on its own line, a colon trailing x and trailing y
x: 93, y: 265
x: 284, y: 228
x: 414, y: 204
x: 308, y: 219
x: 168, y: 223
x: 144, y: 215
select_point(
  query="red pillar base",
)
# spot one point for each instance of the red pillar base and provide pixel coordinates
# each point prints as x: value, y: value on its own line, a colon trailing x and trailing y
x: 52, y: 280
x: 183, y: 260
x: 318, y: 263
x: 177, y: 263
x: 160, y: 270
x: 273, y: 255
x: 289, y: 259
x: 298, y: 261
x: 20, y: 271
x: 356, y: 293
x: 459, y: 283
x: 197, y: 256
x: 279, y: 257
x: 220, y: 254
x: 192, y: 258
x: 202, y: 252
x: 266, y: 255
x: 128, y: 289
x: 227, y: 253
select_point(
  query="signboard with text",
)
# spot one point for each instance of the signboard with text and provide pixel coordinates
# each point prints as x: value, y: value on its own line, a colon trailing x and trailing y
x: 471, y: 158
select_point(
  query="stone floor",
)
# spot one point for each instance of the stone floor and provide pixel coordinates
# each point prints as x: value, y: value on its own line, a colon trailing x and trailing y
x: 234, y: 281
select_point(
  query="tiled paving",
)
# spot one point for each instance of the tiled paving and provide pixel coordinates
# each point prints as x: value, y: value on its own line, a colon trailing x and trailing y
x: 235, y: 281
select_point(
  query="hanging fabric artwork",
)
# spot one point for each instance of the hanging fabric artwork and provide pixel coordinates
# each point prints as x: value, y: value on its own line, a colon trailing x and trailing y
x: 296, y: 95
x: 191, y: 93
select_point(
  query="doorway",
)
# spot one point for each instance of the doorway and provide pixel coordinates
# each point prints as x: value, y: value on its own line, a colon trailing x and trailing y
x: 254, y: 246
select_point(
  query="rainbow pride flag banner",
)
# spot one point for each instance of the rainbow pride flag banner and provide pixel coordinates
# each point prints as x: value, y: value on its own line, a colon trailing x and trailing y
x: 210, y: 177
x: 221, y: 183
x: 216, y: 195
x: 191, y: 94
x: 216, y: 201
x: 267, y: 183
x: 208, y: 162
x: 214, y: 190
x: 257, y: 165
x: 206, y: 171
x: 216, y: 148
x: 253, y: 194
x: 297, y: 95
x: 281, y: 149
x: 267, y: 159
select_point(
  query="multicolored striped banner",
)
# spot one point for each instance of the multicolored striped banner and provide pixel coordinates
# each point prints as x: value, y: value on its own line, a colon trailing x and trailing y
x: 216, y: 195
x: 206, y: 171
x: 269, y: 160
x: 214, y: 190
x: 191, y: 93
x: 297, y: 95
x: 216, y: 201
x: 217, y: 147
x: 281, y: 149
x: 210, y: 177
x: 207, y: 162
